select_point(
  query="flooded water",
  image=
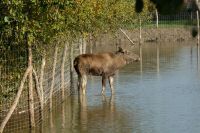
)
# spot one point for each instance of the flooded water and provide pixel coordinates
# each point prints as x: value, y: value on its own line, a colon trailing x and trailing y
x: 160, y: 94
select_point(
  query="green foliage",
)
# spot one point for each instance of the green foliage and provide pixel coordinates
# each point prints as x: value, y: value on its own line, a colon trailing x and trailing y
x: 41, y: 23
x: 163, y: 6
x: 43, y: 20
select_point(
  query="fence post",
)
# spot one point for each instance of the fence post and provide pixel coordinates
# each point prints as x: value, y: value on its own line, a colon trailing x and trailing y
x: 30, y: 84
x: 80, y: 42
x: 127, y: 36
x: 12, y: 108
x: 141, y: 64
x: 197, y: 27
x: 71, y: 66
x: 158, y: 57
x: 41, y: 82
x: 84, y: 44
x: 53, y: 75
x: 90, y: 42
x: 156, y: 18
x: 140, y: 37
x: 63, y: 72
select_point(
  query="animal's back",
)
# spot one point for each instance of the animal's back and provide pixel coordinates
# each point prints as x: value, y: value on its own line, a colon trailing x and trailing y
x: 95, y: 64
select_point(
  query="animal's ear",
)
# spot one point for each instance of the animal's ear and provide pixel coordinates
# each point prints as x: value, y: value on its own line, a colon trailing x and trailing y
x: 120, y: 50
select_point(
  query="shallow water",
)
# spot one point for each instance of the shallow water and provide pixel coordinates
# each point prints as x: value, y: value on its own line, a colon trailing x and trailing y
x: 160, y: 94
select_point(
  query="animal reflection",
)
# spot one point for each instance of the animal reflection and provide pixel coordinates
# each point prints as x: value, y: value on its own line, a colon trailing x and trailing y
x: 104, y: 117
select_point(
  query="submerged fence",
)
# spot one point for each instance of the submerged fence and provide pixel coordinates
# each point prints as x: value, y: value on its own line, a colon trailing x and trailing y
x: 31, y: 83
x: 50, y: 75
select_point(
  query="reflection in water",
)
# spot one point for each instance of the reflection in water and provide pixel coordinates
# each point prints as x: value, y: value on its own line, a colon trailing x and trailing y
x: 158, y: 57
x: 63, y: 116
x: 82, y: 116
x: 140, y: 52
x: 198, y: 57
x: 144, y: 102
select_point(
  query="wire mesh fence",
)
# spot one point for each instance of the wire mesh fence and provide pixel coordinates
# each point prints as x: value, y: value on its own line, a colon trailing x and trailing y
x: 14, y: 62
x: 53, y: 70
x: 182, y: 26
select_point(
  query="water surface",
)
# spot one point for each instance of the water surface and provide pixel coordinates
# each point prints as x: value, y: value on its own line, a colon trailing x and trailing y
x: 161, y: 94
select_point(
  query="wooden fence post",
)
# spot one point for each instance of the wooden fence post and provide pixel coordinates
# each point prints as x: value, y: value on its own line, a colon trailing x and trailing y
x: 158, y: 57
x: 38, y: 90
x: 127, y: 36
x: 90, y: 43
x: 141, y: 63
x: 30, y: 84
x: 156, y: 18
x: 197, y: 27
x: 16, y: 100
x: 80, y: 45
x: 63, y: 116
x: 41, y: 82
x: 140, y: 37
x: 84, y: 44
x: 53, y: 76
x: 63, y: 72
x: 71, y: 66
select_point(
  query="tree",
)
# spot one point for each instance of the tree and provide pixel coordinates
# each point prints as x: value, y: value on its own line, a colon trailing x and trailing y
x: 163, y: 6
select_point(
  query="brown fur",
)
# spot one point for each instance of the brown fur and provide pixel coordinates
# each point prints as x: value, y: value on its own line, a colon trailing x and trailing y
x: 102, y: 64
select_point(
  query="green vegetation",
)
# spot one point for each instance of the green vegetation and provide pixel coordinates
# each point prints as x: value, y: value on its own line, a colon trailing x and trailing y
x: 164, y: 6
x: 43, y: 20
x: 40, y: 23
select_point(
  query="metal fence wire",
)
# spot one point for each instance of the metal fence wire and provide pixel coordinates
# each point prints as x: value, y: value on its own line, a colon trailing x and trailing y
x: 50, y: 69
x: 13, y: 64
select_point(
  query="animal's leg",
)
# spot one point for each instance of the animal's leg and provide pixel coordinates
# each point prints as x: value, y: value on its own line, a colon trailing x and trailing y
x: 79, y: 84
x: 111, y: 81
x: 103, y: 84
x: 84, y: 84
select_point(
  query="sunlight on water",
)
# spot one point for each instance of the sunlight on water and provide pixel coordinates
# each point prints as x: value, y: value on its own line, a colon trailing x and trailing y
x: 162, y: 96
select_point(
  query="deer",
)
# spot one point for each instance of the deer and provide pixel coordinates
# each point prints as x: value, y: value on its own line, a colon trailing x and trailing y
x: 102, y: 64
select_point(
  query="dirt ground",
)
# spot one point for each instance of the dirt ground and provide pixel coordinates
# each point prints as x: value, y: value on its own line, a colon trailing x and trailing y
x: 162, y: 34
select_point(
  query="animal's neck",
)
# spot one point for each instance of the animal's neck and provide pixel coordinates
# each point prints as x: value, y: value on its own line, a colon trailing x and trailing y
x: 120, y: 61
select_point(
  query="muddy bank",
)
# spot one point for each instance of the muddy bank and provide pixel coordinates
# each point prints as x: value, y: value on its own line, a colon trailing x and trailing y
x: 162, y: 34
x: 110, y: 42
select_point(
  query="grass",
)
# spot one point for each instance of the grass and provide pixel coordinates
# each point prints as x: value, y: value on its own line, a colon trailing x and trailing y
x: 164, y: 24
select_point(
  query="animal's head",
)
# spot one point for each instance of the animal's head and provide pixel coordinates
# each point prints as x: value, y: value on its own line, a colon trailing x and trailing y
x: 128, y: 56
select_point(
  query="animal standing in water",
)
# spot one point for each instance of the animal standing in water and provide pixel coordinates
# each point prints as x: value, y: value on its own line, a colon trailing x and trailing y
x: 102, y: 64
